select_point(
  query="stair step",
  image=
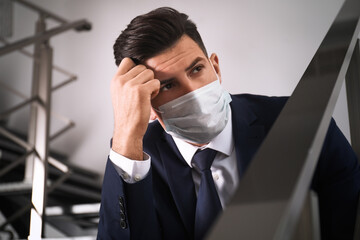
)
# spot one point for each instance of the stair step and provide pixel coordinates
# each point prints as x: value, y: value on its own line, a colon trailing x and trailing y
x: 78, y: 179
x: 15, y: 187
x: 78, y: 209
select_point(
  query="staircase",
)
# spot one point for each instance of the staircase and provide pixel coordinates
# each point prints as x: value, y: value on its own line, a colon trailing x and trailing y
x: 75, y: 201
x: 41, y: 193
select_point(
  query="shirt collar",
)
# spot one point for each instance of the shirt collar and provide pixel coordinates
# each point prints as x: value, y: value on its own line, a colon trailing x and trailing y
x: 223, y: 143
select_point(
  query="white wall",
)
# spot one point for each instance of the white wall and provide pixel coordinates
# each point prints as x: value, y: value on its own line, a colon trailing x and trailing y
x: 264, y: 47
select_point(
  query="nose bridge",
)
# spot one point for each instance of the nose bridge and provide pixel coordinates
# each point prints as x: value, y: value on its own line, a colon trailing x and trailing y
x: 188, y: 84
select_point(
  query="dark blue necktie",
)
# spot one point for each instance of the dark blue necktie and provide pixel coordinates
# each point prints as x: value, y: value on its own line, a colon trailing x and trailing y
x: 208, y: 204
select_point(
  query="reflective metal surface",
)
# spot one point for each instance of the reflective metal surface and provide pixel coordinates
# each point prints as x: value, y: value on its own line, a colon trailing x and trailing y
x: 270, y: 198
x: 353, y: 98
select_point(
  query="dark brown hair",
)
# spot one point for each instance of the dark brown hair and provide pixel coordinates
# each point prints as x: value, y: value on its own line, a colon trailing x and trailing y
x: 149, y: 34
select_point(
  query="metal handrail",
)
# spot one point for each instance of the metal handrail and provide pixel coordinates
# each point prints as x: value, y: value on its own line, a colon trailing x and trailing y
x: 47, y: 14
x: 71, y: 76
x: 269, y: 200
x: 42, y: 11
x: 42, y: 36
x: 353, y: 98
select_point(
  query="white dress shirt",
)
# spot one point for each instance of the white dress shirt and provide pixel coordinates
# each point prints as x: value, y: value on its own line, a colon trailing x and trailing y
x: 224, y: 167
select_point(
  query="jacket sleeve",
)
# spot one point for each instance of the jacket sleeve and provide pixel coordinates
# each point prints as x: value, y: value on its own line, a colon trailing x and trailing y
x: 337, y: 183
x: 127, y: 210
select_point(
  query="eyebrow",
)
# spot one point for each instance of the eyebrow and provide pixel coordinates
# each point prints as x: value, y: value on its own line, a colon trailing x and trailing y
x: 198, y: 59
x: 164, y: 82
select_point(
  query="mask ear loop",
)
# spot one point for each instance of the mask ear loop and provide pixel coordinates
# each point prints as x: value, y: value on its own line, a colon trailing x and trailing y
x: 158, y: 111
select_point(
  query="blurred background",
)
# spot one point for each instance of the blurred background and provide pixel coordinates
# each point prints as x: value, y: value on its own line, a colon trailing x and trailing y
x: 263, y: 46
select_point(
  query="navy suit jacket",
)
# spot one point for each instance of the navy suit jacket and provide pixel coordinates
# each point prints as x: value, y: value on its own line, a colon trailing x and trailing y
x: 162, y: 206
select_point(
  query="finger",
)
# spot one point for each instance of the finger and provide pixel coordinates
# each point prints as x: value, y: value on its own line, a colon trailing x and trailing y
x: 125, y: 66
x: 143, y: 77
x: 153, y: 87
x: 135, y: 71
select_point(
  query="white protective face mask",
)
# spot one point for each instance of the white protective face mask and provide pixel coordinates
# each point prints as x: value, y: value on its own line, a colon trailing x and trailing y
x: 198, y: 116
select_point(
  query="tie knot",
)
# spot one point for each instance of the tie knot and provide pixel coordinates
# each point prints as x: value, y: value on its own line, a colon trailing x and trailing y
x: 204, y: 158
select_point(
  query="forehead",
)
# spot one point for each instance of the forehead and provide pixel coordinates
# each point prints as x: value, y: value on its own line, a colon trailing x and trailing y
x: 183, y: 52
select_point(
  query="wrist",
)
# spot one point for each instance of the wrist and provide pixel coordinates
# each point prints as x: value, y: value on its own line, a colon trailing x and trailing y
x: 129, y: 147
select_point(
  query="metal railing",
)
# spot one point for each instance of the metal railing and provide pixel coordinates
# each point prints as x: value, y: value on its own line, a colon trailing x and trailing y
x: 270, y: 200
x: 37, y: 156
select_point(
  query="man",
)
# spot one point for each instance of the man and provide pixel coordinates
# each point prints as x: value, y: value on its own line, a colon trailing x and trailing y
x: 156, y: 186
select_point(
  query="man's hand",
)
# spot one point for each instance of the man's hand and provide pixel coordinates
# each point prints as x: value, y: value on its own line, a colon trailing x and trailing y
x: 132, y: 89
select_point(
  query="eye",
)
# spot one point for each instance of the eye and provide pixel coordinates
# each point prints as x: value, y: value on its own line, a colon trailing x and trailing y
x: 167, y: 87
x: 197, y: 69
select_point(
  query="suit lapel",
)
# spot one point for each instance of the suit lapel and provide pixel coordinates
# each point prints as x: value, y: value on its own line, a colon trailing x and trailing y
x: 247, y: 134
x: 180, y: 181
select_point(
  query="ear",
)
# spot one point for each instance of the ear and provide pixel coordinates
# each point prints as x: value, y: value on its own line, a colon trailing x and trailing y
x: 153, y: 115
x: 215, y: 61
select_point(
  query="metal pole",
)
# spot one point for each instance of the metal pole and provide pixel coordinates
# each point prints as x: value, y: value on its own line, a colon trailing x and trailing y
x: 40, y: 27
x: 41, y: 140
x: 353, y: 98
